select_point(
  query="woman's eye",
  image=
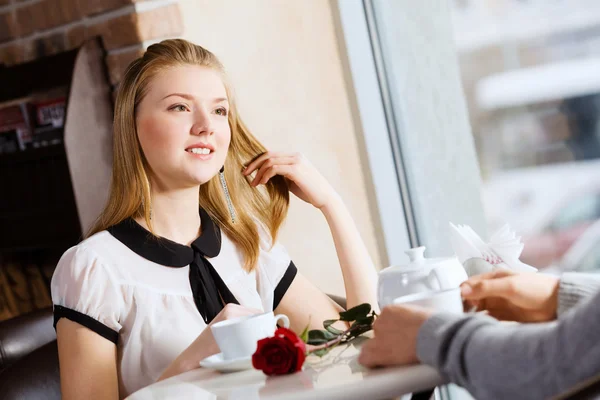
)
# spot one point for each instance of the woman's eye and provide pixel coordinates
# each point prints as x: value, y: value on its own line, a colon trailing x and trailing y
x: 221, y: 111
x: 179, y: 107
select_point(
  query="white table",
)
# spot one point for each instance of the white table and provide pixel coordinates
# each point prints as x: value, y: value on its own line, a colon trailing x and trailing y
x: 335, y: 376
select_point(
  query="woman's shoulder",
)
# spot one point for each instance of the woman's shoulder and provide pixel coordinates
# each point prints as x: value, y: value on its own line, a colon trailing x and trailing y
x: 86, y: 289
x: 100, y: 250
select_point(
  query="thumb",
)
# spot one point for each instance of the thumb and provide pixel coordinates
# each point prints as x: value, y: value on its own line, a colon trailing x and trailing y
x: 501, y: 287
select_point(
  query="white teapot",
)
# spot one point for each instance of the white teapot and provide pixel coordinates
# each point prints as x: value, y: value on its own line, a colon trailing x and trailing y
x: 420, y: 275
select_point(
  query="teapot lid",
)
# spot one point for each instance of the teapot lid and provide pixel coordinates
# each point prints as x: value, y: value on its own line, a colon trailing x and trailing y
x: 418, y: 261
x: 416, y: 255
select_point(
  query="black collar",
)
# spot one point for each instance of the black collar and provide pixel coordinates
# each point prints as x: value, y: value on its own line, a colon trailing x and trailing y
x: 164, y: 251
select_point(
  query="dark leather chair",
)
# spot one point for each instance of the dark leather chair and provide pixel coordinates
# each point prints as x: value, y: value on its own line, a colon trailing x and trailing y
x: 35, y: 376
x: 21, y: 335
x: 29, y: 357
x: 587, y: 390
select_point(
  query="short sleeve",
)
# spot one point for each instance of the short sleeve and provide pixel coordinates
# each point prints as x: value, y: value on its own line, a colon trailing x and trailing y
x: 276, y: 271
x: 84, y: 291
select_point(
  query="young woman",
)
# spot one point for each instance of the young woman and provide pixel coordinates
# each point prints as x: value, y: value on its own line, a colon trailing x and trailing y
x: 189, y: 234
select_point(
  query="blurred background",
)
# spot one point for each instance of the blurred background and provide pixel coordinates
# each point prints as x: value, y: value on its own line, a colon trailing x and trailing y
x: 530, y: 72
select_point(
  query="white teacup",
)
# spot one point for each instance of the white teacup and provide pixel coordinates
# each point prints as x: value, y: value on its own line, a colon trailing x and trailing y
x: 237, y: 337
x: 443, y: 300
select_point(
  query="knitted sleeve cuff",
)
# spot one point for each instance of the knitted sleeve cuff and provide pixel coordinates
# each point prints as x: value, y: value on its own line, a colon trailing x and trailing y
x: 575, y: 287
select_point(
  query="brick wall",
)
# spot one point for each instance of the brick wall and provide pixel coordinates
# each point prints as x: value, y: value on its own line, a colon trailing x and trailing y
x: 30, y: 29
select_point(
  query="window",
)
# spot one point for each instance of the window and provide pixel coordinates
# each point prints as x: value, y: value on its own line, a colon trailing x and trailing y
x: 581, y: 210
x: 529, y: 73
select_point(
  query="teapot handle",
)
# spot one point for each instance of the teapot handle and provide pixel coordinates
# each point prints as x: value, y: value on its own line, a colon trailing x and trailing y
x: 443, y: 280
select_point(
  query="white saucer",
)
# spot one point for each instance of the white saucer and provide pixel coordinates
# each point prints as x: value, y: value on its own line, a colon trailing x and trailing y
x: 220, y: 364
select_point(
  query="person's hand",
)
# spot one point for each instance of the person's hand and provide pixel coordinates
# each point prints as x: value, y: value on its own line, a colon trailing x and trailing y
x: 304, y: 180
x: 511, y: 296
x: 234, y: 311
x: 205, y: 344
x: 395, y: 342
x: 230, y: 311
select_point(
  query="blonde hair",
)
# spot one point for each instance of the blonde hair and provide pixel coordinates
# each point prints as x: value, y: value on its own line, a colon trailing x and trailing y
x: 130, y: 187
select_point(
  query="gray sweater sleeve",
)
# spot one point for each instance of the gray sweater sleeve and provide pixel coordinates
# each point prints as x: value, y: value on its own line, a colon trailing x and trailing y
x: 575, y: 287
x: 495, y: 360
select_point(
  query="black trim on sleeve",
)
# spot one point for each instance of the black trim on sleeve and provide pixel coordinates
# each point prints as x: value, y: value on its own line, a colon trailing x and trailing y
x: 284, y: 284
x: 87, y: 321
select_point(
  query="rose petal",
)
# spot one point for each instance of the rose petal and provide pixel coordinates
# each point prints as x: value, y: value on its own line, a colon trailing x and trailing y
x: 282, y: 354
x: 281, y: 357
x: 277, y: 356
x: 300, y: 358
x: 291, y: 335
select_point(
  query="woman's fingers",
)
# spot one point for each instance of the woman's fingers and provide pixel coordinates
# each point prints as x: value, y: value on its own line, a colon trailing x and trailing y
x: 268, y: 164
x: 232, y: 310
x: 258, y: 161
x: 283, y: 170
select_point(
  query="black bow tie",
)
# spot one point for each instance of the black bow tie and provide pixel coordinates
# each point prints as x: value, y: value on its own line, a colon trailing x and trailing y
x: 209, y: 291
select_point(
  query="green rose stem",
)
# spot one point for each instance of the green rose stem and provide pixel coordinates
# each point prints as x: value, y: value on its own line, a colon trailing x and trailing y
x: 341, y: 337
x: 322, y: 340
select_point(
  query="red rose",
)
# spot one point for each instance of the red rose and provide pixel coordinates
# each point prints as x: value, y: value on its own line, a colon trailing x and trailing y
x: 281, y: 354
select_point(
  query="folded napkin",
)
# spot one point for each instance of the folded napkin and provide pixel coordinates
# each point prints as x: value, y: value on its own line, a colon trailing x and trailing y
x: 502, y: 251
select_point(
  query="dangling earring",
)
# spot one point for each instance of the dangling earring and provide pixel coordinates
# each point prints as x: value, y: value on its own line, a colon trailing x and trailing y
x: 227, y: 197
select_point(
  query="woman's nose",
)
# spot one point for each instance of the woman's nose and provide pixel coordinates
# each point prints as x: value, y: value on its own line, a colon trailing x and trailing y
x: 202, y: 125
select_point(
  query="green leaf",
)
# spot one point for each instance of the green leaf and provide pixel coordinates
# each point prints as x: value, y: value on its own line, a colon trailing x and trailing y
x: 329, y: 322
x: 317, y: 337
x: 364, y: 321
x: 304, y: 334
x: 358, y: 312
x: 327, y: 325
x: 321, y: 353
x: 333, y: 330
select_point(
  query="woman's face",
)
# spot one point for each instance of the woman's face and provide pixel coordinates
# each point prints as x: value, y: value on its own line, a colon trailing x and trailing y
x: 182, y: 124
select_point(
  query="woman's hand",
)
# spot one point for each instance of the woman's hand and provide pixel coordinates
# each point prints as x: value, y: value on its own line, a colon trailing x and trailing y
x: 510, y: 296
x: 304, y: 180
x: 395, y: 342
x: 205, y: 344
x: 230, y: 311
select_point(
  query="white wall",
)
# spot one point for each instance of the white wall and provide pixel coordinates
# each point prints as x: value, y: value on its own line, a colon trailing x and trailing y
x: 286, y: 68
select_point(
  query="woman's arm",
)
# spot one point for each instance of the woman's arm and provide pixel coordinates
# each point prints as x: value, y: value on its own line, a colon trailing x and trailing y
x: 88, y: 363
x: 205, y: 344
x: 358, y: 271
x: 306, y: 304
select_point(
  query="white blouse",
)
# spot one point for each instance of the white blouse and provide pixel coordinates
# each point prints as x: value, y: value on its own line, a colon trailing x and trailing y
x: 123, y: 286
